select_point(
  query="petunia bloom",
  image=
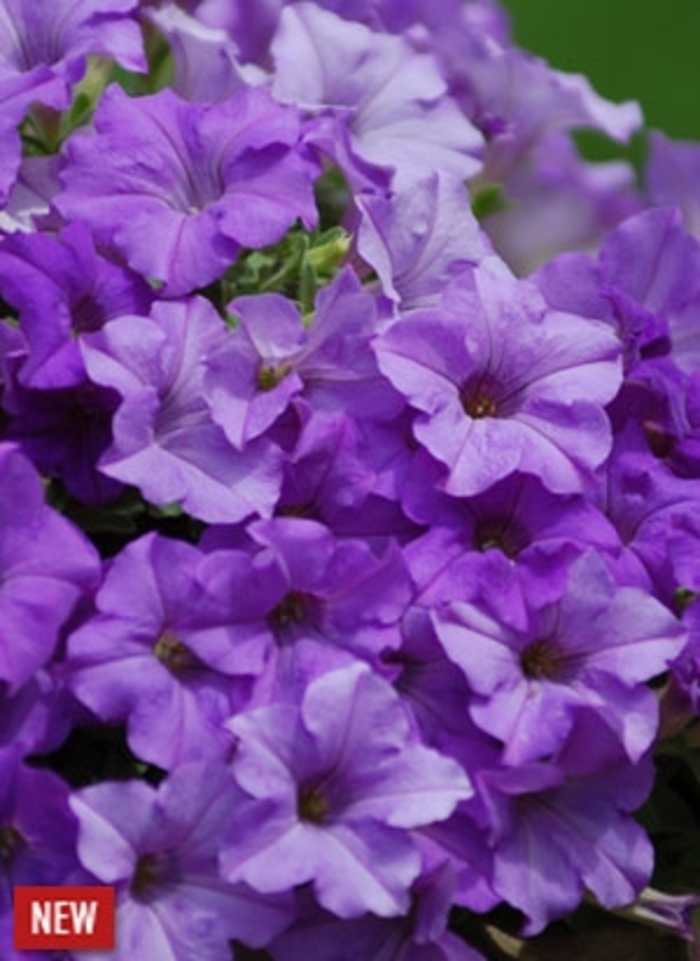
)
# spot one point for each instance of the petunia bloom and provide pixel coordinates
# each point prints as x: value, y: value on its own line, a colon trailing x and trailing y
x: 46, y: 567
x: 589, y: 652
x: 158, y: 848
x: 333, y: 786
x: 501, y: 384
x: 205, y: 179
x: 165, y: 440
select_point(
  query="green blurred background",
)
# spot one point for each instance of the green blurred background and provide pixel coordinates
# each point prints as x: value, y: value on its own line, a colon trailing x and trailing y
x: 647, y: 50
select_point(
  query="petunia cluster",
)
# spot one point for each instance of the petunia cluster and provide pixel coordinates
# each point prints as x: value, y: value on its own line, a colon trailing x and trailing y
x: 349, y: 478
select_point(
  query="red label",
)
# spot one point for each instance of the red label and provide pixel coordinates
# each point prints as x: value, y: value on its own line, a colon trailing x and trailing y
x: 76, y: 918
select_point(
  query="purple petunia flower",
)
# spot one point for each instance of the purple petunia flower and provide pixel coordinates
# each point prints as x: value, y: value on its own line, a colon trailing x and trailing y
x: 334, y: 785
x: 673, y: 177
x: 591, y: 651
x: 657, y: 516
x: 62, y: 288
x: 17, y: 92
x: 205, y: 179
x: 273, y: 358
x: 378, y: 101
x: 46, y: 567
x: 64, y: 432
x: 555, y: 836
x: 37, y: 835
x: 59, y: 34
x: 165, y: 441
x: 421, y: 935
x: 501, y: 384
x: 205, y: 59
x: 161, y: 653
x: 419, y: 238
x: 159, y: 849
x: 514, y: 540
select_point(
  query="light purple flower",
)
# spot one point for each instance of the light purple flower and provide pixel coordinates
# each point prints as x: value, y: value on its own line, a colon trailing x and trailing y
x: 205, y: 179
x: 161, y: 654
x: 165, y: 441
x: 338, y: 591
x: 645, y: 283
x: 17, y: 92
x: 206, y: 64
x: 334, y: 786
x: 59, y: 34
x: 556, y: 201
x: 501, y: 384
x: 672, y: 177
x: 513, y: 541
x: 556, y: 836
x: 391, y: 101
x: 516, y: 99
x: 419, y: 238
x: 592, y: 651
x: 159, y: 849
x: 273, y: 357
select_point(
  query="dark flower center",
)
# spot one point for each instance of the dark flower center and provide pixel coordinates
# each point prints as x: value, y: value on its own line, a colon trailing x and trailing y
x: 312, y: 804
x: 11, y: 841
x: 151, y: 872
x: 541, y: 659
x: 504, y: 534
x: 661, y: 442
x: 295, y: 608
x: 480, y: 397
x: 270, y: 375
x: 173, y: 654
x: 480, y: 406
x: 87, y: 315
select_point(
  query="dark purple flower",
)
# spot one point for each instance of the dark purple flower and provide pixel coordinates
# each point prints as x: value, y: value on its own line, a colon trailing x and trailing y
x: 501, y: 384
x: 46, y: 566
x: 334, y: 785
x: 62, y: 288
x: 421, y: 935
x: 37, y: 829
x: 205, y: 179
x: 159, y: 849
x: 64, y: 432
